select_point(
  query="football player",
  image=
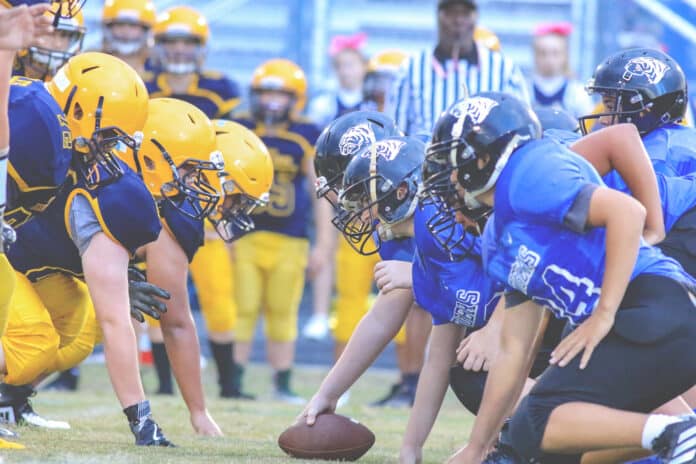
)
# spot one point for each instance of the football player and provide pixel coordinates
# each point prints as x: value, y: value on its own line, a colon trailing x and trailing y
x: 42, y: 59
x: 92, y: 228
x: 127, y: 32
x: 503, y: 151
x: 252, y: 175
x: 382, y: 73
x: 271, y: 262
x: 181, y: 37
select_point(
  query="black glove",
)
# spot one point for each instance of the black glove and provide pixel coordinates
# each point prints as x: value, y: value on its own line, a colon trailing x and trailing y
x: 142, y: 296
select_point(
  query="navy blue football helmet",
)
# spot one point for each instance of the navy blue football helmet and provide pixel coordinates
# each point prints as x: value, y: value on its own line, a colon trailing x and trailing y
x: 380, y: 189
x: 557, y: 118
x: 641, y: 86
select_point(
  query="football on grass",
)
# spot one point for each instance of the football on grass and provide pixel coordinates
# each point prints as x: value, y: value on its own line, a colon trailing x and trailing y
x: 332, y: 437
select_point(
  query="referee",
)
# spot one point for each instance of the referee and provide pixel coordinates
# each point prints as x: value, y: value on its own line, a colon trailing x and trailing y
x: 434, y: 80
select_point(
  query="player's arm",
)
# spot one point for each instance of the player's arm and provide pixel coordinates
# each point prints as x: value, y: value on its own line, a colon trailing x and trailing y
x: 620, y: 148
x: 105, y: 264
x: 322, y: 252
x: 431, y: 390
x: 374, y: 332
x: 167, y: 267
x: 623, y: 218
x: 521, y: 329
x: 6, y: 58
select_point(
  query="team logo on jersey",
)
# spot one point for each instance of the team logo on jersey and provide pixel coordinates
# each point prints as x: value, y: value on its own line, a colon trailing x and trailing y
x: 355, y: 139
x: 651, y: 68
x: 523, y: 268
x: 387, y: 149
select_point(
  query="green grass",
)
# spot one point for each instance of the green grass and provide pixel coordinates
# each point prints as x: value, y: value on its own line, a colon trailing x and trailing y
x: 100, y: 434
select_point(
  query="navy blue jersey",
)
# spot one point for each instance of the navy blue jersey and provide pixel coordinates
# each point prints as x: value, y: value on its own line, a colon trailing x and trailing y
x: 210, y: 91
x: 187, y: 231
x: 40, y: 150
x: 537, y: 242
x: 290, y: 203
x: 126, y: 212
x: 456, y: 292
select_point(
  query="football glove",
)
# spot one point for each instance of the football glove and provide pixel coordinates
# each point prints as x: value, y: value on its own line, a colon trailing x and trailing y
x: 142, y: 297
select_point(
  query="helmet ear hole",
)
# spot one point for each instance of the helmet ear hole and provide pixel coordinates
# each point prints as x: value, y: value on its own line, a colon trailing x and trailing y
x: 77, y: 111
x: 402, y: 191
x: 149, y: 163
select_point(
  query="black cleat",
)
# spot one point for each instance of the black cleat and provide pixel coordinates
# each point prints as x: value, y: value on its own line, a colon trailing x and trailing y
x: 677, y: 442
x: 237, y: 395
x: 400, y: 396
x: 16, y: 409
x: 66, y: 381
x: 502, y: 454
x: 148, y: 433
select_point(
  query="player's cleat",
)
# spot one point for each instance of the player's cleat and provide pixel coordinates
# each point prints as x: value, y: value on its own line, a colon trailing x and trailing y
x: 65, y: 381
x: 677, y: 442
x: 502, y: 454
x: 4, y: 444
x: 400, y: 396
x: 148, y: 433
x: 15, y: 408
x: 316, y: 328
x: 238, y: 395
x: 286, y: 395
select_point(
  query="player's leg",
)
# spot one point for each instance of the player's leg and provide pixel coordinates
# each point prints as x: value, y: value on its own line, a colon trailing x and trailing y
x: 642, y: 363
x: 418, y: 327
x: 212, y: 273
x: 249, y: 281
x: 283, y: 294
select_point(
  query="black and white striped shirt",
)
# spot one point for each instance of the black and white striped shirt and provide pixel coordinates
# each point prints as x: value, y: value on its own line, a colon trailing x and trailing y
x: 427, y: 87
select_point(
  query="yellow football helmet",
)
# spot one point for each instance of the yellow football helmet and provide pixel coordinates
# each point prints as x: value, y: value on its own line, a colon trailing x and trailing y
x: 487, y: 38
x: 105, y: 104
x: 245, y: 180
x: 283, y: 76
x: 133, y: 12
x: 178, y: 159
x: 382, y: 72
x: 42, y: 60
x: 181, y: 23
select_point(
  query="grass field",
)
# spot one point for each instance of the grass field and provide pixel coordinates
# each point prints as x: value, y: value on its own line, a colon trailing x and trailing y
x: 100, y: 434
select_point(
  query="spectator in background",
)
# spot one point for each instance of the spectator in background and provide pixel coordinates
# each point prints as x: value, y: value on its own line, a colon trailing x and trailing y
x: 552, y: 84
x: 350, y: 65
x: 459, y: 65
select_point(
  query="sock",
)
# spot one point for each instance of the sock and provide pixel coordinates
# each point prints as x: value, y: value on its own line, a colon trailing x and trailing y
x: 410, y: 381
x: 137, y: 412
x: 282, y: 380
x: 654, y: 426
x: 164, y: 370
x: 222, y: 353
x: 237, y: 376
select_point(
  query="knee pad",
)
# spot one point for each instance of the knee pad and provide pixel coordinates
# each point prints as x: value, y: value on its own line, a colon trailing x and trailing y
x: 526, y: 430
x: 468, y: 386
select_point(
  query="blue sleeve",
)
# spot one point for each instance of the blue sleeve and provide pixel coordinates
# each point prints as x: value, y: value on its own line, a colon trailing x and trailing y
x: 546, y: 191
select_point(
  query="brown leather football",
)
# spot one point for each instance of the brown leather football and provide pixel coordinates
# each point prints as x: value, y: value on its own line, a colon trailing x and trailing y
x: 332, y: 437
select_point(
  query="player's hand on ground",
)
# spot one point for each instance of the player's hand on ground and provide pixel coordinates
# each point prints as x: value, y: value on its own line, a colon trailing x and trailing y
x: 410, y: 455
x: 467, y: 455
x: 478, y: 350
x: 319, y: 404
x: 21, y: 26
x: 204, y: 425
x: 584, y: 338
x: 145, y: 298
x: 390, y: 275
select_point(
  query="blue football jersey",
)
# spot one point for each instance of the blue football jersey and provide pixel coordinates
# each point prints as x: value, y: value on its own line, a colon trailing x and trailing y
x: 211, y: 92
x: 40, y: 150
x: 672, y: 149
x: 457, y: 292
x: 289, y: 206
x: 678, y: 194
x: 536, y: 244
x: 187, y: 231
x: 126, y: 212
x: 398, y: 249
